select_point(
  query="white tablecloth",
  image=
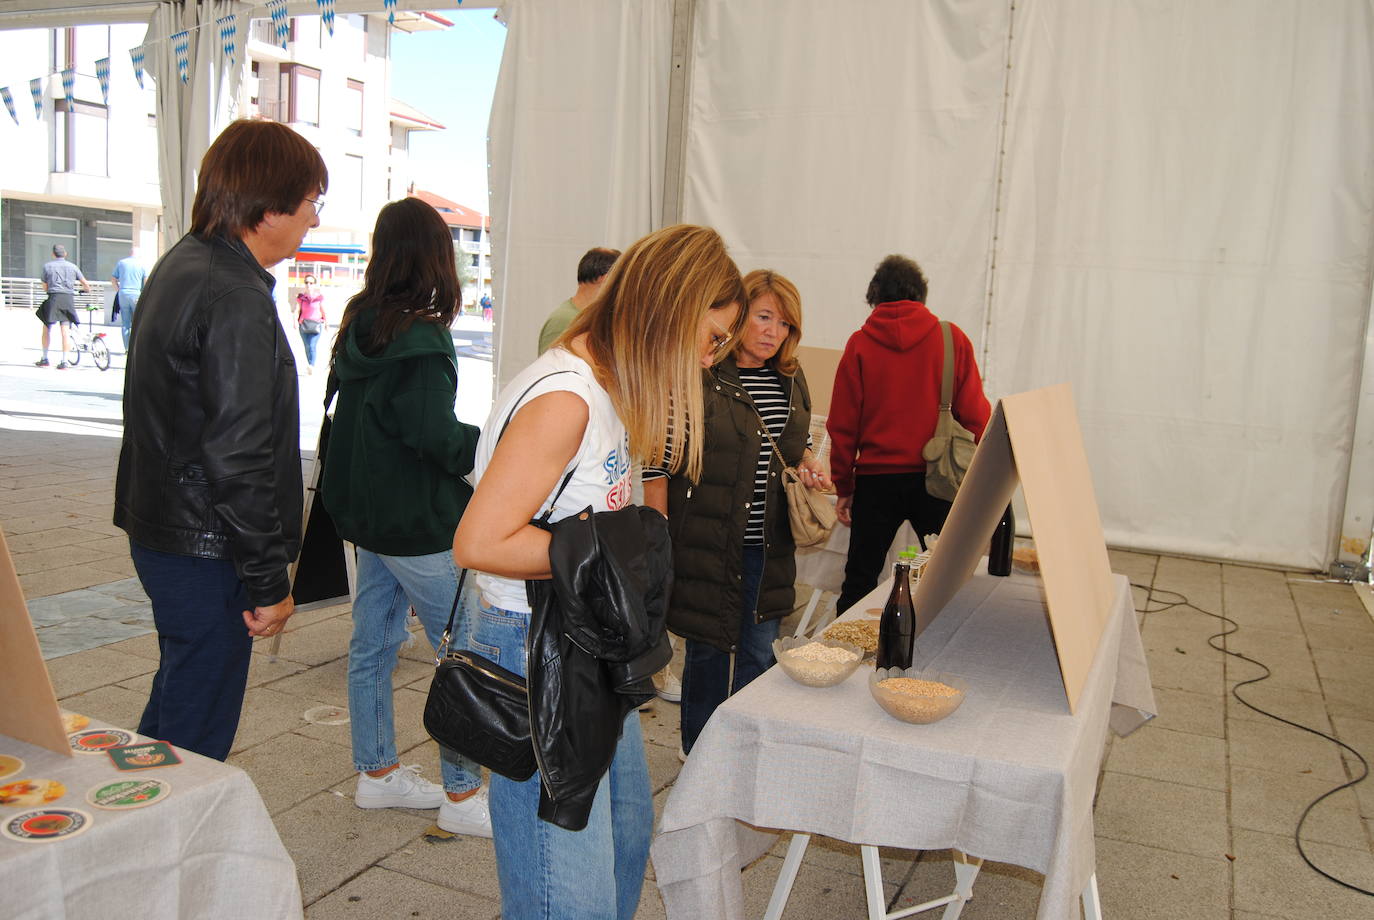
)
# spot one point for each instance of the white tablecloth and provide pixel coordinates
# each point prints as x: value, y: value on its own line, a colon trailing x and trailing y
x: 1008, y: 777
x: 209, y: 850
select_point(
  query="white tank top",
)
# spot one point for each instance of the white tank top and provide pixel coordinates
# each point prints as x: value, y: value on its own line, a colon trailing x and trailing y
x: 600, y: 470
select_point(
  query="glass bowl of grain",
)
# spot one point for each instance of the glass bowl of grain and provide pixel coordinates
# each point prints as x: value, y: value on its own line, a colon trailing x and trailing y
x: 816, y: 662
x: 913, y: 695
x: 860, y: 632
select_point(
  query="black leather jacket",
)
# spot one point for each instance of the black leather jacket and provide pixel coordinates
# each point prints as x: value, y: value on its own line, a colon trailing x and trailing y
x: 597, y: 636
x: 210, y: 464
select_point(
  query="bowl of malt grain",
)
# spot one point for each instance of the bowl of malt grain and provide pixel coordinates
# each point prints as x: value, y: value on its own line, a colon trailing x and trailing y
x: 860, y: 632
x: 816, y: 662
x: 917, y: 696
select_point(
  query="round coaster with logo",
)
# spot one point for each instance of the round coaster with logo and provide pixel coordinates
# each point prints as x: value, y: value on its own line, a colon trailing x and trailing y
x: 124, y: 794
x: 30, y: 792
x: 9, y: 765
x: 99, y: 740
x: 46, y: 824
x: 74, y: 722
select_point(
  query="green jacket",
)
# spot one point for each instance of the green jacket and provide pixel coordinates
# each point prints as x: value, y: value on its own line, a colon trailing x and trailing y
x: 397, y: 454
x: 707, y: 519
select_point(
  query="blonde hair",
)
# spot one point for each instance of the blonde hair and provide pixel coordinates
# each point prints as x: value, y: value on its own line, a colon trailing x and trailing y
x: 642, y: 336
x: 765, y: 281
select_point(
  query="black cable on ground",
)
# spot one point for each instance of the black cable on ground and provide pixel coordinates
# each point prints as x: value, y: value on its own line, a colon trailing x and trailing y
x: 1233, y: 628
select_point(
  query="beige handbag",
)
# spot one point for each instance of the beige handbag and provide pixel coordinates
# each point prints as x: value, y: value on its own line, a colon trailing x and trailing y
x: 810, y: 513
x: 949, y: 452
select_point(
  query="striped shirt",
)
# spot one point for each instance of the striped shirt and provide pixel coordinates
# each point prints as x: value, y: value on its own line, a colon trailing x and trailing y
x: 764, y: 386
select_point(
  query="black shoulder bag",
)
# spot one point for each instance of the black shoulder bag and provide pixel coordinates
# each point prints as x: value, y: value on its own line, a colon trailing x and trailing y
x: 475, y: 707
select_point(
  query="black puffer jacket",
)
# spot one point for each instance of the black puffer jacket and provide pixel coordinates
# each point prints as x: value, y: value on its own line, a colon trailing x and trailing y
x: 708, y: 518
x: 597, y: 636
x: 210, y: 465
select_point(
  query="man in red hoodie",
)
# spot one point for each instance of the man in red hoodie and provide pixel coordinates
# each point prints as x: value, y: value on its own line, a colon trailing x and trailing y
x: 883, y: 411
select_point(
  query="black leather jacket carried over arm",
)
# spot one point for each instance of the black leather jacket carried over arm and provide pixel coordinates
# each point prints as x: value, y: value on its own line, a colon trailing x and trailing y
x: 210, y: 463
x: 597, y: 636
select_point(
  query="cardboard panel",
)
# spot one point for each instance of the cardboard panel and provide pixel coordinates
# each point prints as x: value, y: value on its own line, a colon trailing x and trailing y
x: 1062, y: 507
x: 819, y: 365
x: 30, y: 710
x: 1034, y: 438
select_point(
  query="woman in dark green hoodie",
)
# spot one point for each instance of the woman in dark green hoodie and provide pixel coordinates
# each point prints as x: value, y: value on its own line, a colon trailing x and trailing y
x: 393, y: 482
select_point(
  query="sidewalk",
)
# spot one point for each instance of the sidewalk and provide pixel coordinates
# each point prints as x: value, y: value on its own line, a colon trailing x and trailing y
x: 1194, y: 816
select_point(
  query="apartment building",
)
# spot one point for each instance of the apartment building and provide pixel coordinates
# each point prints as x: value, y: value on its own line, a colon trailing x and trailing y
x: 471, y: 243
x: 84, y: 174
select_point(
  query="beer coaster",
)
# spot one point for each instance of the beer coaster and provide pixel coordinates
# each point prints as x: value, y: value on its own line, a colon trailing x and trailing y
x: 98, y: 740
x: 46, y: 824
x: 144, y: 756
x: 74, y: 722
x: 129, y: 793
x: 31, y: 792
x: 9, y: 765
x: 874, y: 611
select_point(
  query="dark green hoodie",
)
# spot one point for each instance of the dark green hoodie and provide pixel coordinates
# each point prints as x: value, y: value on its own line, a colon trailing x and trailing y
x: 397, y: 454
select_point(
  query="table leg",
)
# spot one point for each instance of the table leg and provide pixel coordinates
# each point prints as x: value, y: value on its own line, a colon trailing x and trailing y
x: 791, y: 864
x: 1092, y: 907
x: 965, y: 871
x: 810, y: 609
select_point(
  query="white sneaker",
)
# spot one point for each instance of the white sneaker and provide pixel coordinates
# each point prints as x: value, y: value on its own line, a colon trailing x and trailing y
x: 472, y: 816
x: 667, y: 686
x: 403, y: 787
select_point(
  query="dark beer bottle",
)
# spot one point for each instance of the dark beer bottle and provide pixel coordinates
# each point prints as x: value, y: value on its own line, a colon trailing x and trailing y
x: 1003, y: 541
x: 897, y: 629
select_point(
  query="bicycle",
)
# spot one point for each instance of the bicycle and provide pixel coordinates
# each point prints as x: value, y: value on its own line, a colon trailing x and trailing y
x: 92, y: 342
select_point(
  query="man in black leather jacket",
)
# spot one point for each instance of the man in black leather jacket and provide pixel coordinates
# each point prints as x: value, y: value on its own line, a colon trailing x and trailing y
x: 209, y: 482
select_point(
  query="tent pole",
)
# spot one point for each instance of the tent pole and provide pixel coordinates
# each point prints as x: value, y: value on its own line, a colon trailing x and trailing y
x: 679, y: 86
x: 1357, y: 521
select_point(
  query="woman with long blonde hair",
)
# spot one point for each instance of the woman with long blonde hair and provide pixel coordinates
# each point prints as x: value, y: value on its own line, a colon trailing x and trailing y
x: 613, y: 388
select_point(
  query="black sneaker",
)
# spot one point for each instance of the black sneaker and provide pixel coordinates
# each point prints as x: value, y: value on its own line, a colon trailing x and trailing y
x: 62, y: 366
x: 41, y: 362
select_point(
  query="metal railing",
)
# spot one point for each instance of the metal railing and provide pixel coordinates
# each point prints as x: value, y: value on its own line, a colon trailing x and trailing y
x: 28, y: 293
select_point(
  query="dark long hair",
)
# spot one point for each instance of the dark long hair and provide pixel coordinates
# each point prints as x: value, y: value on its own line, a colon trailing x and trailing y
x: 411, y: 275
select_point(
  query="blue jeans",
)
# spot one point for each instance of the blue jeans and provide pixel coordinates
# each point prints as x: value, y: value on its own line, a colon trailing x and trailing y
x: 203, y: 647
x: 546, y: 872
x: 706, y: 678
x: 387, y: 587
x: 128, y: 301
x: 309, y: 339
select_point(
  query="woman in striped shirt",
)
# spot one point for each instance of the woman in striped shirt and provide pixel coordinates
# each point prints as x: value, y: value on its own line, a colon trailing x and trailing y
x: 733, y: 553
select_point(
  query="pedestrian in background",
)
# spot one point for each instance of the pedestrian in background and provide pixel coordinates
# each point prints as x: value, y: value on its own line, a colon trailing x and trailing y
x: 129, y: 275
x: 310, y: 319
x: 60, y: 278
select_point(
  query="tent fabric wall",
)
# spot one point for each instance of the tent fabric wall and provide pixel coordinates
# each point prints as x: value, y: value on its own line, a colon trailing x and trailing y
x: 1186, y: 237
x: 578, y: 130
x: 191, y: 114
x: 1167, y: 203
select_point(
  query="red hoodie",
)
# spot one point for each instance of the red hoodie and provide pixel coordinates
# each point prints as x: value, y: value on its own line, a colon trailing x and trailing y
x: 887, y: 393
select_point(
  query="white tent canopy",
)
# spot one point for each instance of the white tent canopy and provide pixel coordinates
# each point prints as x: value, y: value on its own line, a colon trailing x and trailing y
x: 1165, y: 202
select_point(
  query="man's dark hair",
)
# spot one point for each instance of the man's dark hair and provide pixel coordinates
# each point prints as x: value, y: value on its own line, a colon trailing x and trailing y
x: 896, y: 278
x: 252, y: 168
x: 595, y: 264
x: 59, y: 251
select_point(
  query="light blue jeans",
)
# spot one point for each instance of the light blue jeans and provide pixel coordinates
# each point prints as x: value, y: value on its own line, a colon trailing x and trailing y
x: 387, y: 587
x: 546, y: 872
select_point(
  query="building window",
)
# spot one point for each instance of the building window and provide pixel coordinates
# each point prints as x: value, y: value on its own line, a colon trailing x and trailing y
x: 113, y: 241
x: 306, y: 32
x: 353, y: 108
x: 353, y: 37
x: 81, y: 138
x: 301, y: 87
x: 41, y: 234
x: 476, y: 260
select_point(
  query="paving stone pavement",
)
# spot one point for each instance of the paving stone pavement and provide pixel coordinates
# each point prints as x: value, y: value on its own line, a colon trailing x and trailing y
x: 1194, y: 815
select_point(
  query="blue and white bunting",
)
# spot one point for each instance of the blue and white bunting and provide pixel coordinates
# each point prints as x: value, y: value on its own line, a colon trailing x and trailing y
x: 229, y: 36
x: 102, y: 73
x: 181, y: 44
x: 390, y: 7
x: 136, y: 55
x: 36, y: 91
x: 327, y: 14
x: 9, y: 102
x: 277, y: 10
x: 69, y: 84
